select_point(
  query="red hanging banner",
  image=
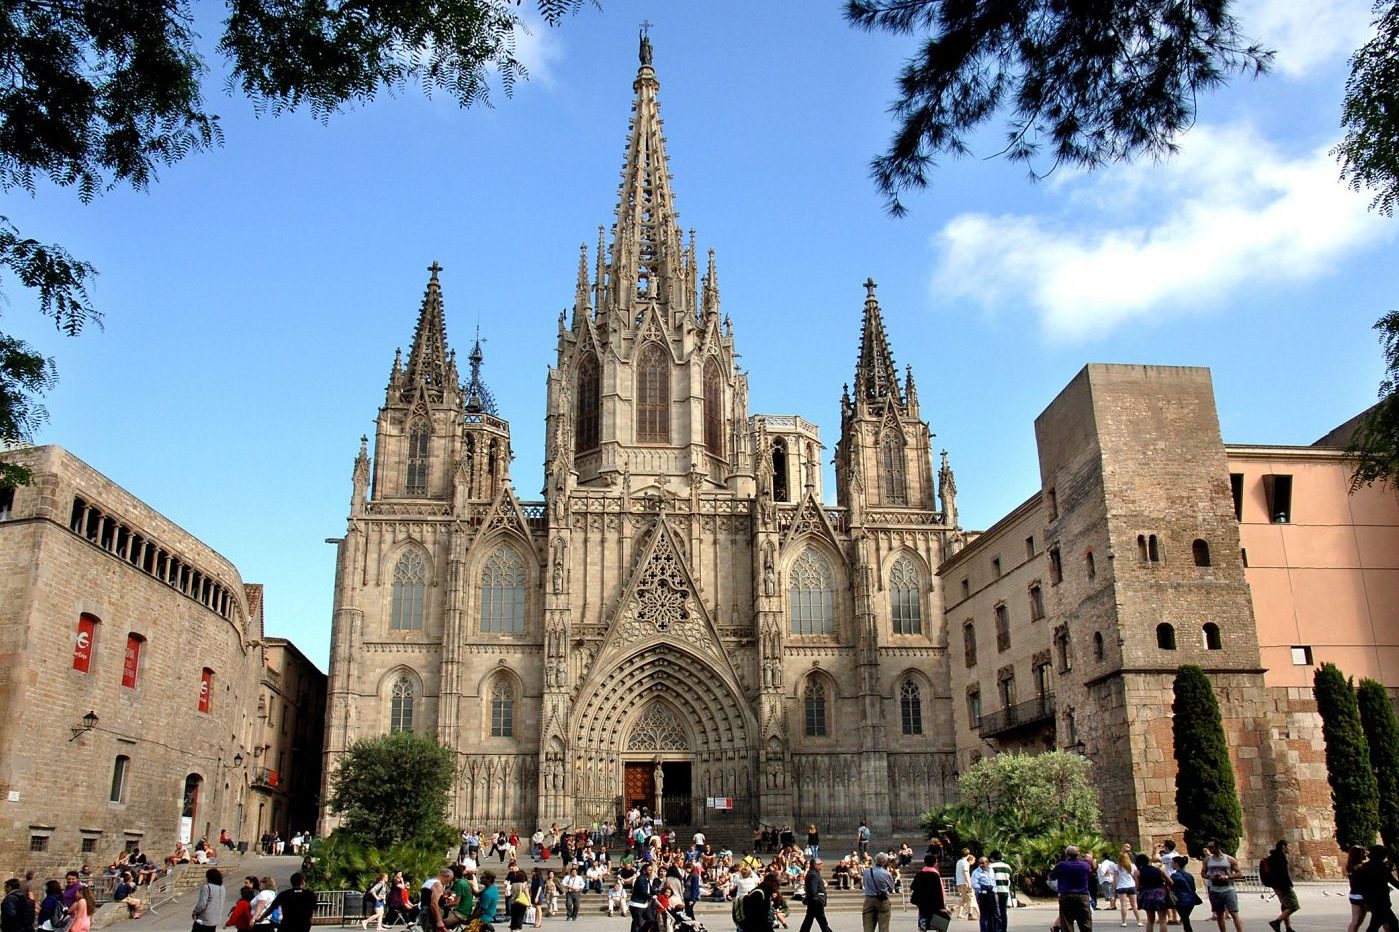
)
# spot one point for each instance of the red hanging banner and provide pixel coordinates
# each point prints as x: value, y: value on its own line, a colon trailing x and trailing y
x: 206, y: 686
x: 132, y: 662
x: 82, y: 644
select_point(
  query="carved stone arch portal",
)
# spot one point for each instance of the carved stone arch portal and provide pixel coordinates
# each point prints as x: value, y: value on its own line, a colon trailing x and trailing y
x: 658, y: 728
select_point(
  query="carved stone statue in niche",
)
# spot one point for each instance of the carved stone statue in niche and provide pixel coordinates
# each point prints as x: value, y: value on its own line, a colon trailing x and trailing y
x: 558, y: 571
x: 769, y: 575
x: 767, y: 511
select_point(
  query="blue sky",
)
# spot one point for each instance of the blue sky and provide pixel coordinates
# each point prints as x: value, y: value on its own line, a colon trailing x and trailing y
x: 255, y: 295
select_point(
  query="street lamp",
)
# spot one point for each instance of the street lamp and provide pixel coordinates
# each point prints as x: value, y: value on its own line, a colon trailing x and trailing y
x: 89, y: 722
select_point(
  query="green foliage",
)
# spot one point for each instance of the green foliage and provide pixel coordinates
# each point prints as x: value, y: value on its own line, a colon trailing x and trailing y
x: 393, y: 789
x: 1354, y: 792
x: 1373, y: 450
x: 1369, y: 154
x: 1381, y: 729
x: 342, y: 862
x: 1094, y: 83
x: 97, y: 93
x: 1207, y: 801
x: 1029, y: 807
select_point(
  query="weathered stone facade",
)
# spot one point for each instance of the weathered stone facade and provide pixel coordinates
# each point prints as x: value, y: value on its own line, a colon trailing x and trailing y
x: 106, y: 607
x: 681, y: 618
x: 1135, y: 541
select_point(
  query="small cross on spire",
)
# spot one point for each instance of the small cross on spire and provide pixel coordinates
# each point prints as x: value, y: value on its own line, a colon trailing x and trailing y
x: 869, y: 287
x: 434, y: 269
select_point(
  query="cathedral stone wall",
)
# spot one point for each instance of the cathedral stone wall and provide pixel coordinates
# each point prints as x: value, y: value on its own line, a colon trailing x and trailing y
x: 682, y: 623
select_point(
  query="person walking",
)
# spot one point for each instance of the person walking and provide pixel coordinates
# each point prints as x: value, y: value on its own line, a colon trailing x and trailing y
x: 377, y: 896
x: 1125, y: 886
x: 814, y: 896
x: 878, y: 886
x: 1355, y: 858
x: 1376, y: 876
x: 1221, y: 871
x: 862, y: 839
x: 643, y: 891
x: 759, y: 906
x: 1000, y: 870
x: 813, y: 841
x: 694, y: 888
x: 208, y: 910
x: 984, y: 889
x: 1152, y: 887
x: 966, y: 906
x: 925, y: 893
x: 84, y: 905
x: 1183, y: 883
x: 1107, y: 882
x: 573, y: 885
x: 1280, y: 878
x: 1071, y: 877
x: 297, y: 905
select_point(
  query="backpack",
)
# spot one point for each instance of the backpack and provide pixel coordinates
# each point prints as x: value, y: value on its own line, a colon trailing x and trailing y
x: 1265, y: 872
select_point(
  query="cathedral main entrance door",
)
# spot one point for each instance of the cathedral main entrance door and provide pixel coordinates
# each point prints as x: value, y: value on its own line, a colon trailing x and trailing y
x: 639, y: 785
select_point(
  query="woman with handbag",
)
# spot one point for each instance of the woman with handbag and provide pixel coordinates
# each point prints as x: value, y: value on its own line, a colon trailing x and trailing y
x: 518, y: 891
x: 1153, y: 893
x: 926, y: 894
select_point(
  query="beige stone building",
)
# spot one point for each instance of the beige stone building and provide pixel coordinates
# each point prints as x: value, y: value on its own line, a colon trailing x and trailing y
x: 130, y: 656
x: 681, y: 623
x: 1151, y: 544
x: 284, y: 773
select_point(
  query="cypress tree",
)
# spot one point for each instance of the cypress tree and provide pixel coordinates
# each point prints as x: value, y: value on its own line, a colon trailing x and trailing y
x: 1207, y: 801
x: 1354, y: 792
x: 1382, y: 735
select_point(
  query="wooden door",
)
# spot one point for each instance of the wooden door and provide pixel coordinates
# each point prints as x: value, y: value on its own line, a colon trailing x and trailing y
x: 639, y: 785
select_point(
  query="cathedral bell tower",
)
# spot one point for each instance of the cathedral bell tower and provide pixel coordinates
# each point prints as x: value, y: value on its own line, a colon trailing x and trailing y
x: 646, y: 389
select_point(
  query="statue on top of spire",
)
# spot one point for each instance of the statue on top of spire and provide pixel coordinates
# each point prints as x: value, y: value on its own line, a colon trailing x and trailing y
x: 645, y: 52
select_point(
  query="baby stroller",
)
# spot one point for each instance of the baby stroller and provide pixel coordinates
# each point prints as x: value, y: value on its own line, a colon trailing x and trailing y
x: 679, y: 922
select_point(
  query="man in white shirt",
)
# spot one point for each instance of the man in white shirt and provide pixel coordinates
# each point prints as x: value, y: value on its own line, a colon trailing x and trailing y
x: 699, y: 840
x: 573, y: 886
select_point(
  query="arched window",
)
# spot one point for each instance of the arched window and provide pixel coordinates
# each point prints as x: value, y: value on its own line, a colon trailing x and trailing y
x: 503, y: 592
x: 911, y: 707
x: 401, y: 705
x: 904, y: 585
x: 1098, y: 647
x: 895, y: 489
x: 713, y: 409
x: 206, y: 689
x: 1153, y: 549
x: 84, y: 641
x: 1166, y: 636
x: 131, y: 661
x: 418, y: 435
x: 1091, y: 564
x: 409, y: 591
x: 502, y: 708
x: 814, y: 708
x: 119, y: 770
x: 779, y: 471
x: 813, y: 594
x: 653, y: 395
x: 1201, y: 552
x: 588, y: 405
x: 1209, y: 635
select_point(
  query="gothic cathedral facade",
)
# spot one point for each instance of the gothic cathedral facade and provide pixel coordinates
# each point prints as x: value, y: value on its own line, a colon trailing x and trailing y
x: 682, y: 624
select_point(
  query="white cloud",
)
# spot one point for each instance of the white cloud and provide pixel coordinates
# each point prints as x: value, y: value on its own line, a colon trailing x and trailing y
x: 538, y: 48
x: 1307, y: 34
x: 1151, y: 239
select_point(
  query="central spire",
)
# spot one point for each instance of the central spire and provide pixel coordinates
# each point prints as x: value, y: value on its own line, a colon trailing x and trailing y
x: 647, y: 256
x: 428, y: 362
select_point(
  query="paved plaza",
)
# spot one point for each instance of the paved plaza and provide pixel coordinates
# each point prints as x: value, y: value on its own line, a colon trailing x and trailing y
x: 1324, y: 909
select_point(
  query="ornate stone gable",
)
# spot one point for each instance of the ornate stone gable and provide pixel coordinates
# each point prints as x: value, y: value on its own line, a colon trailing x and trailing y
x: 659, y: 603
x: 811, y: 521
x: 505, y: 513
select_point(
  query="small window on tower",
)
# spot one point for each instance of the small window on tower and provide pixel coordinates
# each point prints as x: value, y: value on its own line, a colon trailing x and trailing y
x: 1302, y: 655
x: 7, y: 502
x: 779, y: 471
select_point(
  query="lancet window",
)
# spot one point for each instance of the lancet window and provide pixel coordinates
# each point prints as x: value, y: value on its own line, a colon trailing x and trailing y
x: 653, y: 395
x: 812, y: 594
x: 418, y: 436
x: 502, y: 708
x: 814, y: 708
x: 895, y: 485
x: 911, y: 706
x: 503, y: 592
x: 401, y: 705
x: 409, y: 592
x: 904, y: 593
x: 713, y: 409
x: 588, y: 406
